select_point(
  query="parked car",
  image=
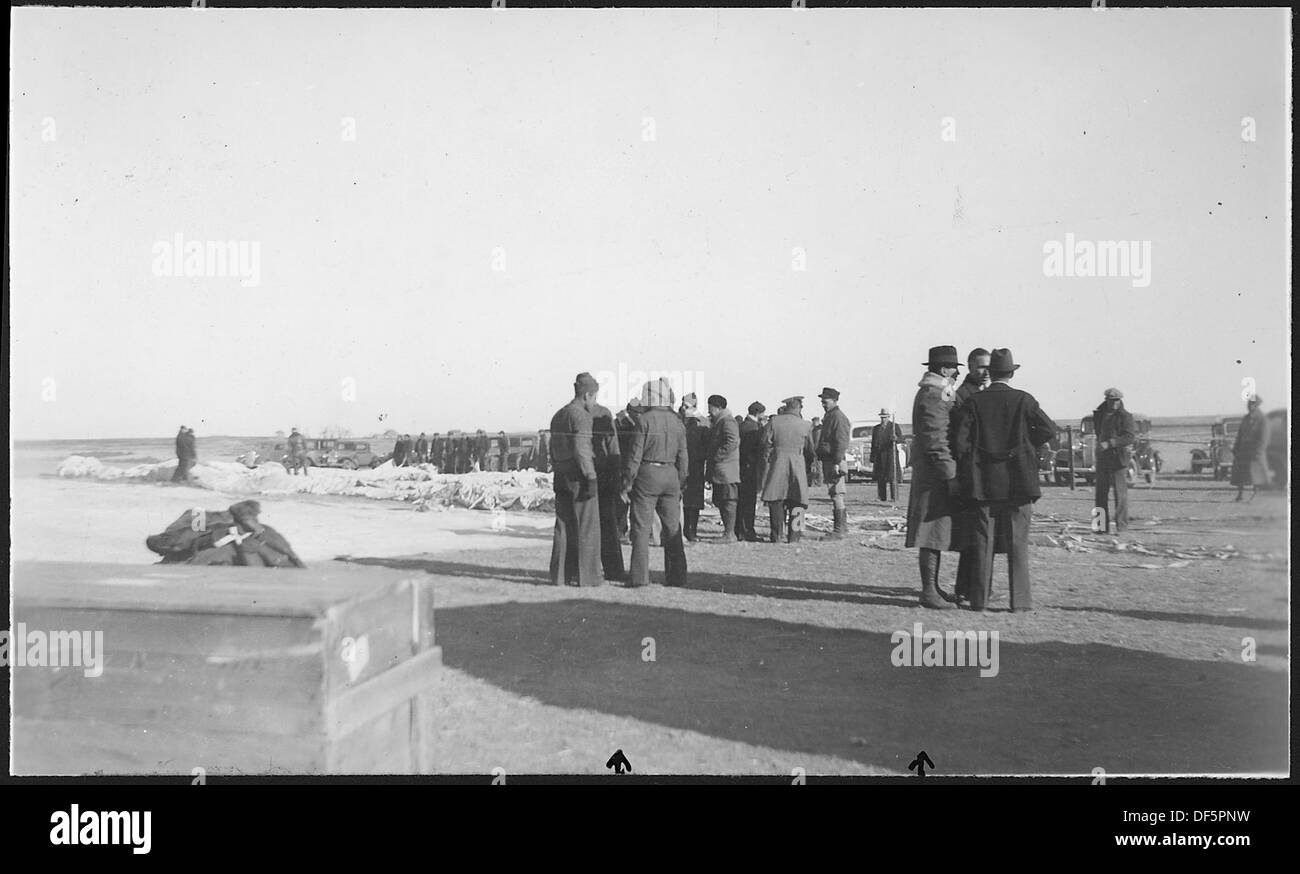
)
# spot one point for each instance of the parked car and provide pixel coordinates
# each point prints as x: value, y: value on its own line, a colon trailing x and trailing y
x: 858, y: 456
x: 1216, y: 456
x: 321, y: 452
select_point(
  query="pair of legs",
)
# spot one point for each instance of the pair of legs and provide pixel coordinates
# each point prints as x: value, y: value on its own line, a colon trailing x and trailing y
x: 886, y: 482
x: 656, y: 493
x: 838, y: 490
x: 575, y: 546
x: 746, y: 506
x: 1109, y: 478
x: 985, y: 520
x: 785, y: 517
x: 725, y: 498
x: 611, y: 554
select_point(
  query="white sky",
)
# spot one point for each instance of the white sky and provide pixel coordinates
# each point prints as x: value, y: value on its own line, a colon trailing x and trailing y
x: 523, y: 129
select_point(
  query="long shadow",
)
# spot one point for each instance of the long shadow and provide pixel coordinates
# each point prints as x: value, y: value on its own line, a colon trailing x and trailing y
x: 731, y: 584
x: 1052, y: 708
x: 1188, y: 618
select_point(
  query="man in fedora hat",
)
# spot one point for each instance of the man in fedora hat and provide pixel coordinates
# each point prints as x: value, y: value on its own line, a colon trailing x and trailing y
x: 934, y: 472
x: 832, y: 447
x: 751, y: 469
x: 1115, y: 433
x: 575, y: 546
x: 788, y: 441
x: 885, y: 438
x: 996, y: 439
x: 653, y: 475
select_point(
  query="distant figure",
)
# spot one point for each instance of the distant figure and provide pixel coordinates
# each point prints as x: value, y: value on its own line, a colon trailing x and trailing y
x: 503, y: 450
x: 653, y: 473
x: 436, y: 445
x: 575, y: 546
x: 463, y: 451
x: 186, y: 454
x: 400, y: 450
x: 1250, y: 451
x: 543, y: 452
x: 298, y: 453
x: 814, y: 469
x: 885, y: 438
x: 1115, y: 436
x: 421, y: 449
x: 693, y: 490
x: 481, y: 447
x: 751, y: 470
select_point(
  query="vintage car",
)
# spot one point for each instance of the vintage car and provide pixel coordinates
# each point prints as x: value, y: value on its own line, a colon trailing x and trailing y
x: 1217, y: 455
x: 321, y: 452
x: 1143, y: 465
x: 858, y: 457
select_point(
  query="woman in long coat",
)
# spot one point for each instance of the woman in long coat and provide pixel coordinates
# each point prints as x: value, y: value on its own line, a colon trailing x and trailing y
x: 1249, y: 465
x: 929, y: 506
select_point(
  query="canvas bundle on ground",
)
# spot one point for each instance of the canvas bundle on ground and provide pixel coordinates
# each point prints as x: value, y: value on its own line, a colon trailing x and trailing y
x: 223, y: 537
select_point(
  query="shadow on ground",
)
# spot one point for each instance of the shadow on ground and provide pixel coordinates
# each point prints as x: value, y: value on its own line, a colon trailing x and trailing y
x: 1052, y: 708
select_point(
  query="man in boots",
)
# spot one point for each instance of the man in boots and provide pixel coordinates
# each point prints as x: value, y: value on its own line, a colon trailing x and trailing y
x: 832, y: 447
x: 934, y: 471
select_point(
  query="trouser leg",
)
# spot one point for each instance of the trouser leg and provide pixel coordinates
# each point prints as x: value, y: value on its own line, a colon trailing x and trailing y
x: 1018, y: 519
x: 1101, y: 493
x: 691, y: 521
x: 980, y: 581
x: 1121, y: 501
x: 643, y: 512
x: 727, y: 509
x: 611, y: 554
x: 564, y: 553
x: 669, y: 505
x: 587, y: 509
x: 776, y: 519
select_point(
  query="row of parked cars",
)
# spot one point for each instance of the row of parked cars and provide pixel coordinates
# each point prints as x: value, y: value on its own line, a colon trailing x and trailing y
x: 321, y: 452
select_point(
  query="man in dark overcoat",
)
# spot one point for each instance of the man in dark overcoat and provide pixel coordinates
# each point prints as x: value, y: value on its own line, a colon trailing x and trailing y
x: 751, y: 467
x: 934, y: 472
x: 724, y: 464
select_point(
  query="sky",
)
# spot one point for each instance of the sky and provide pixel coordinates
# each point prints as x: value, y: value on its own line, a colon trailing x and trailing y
x: 454, y: 212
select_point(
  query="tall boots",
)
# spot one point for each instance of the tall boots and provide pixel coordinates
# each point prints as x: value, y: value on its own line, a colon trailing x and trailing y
x: 841, y: 524
x: 931, y: 595
x: 776, y: 519
x: 691, y: 523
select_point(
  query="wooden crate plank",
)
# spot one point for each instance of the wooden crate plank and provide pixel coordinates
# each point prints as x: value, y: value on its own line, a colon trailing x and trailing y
x: 346, y: 712
x: 380, y: 746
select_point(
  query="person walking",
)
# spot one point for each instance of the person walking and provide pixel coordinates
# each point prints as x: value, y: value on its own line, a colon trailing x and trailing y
x: 751, y: 468
x: 832, y: 450
x: 575, y: 546
x: 996, y: 439
x: 788, y: 441
x: 1115, y: 433
x: 654, y: 472
x: 934, y: 472
x: 724, y: 464
x: 1250, y: 451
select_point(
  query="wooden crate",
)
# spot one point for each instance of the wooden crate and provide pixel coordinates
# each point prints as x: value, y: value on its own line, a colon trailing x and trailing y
x: 233, y: 670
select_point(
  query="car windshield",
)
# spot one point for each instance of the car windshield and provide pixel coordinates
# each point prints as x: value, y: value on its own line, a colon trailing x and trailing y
x: 862, y: 431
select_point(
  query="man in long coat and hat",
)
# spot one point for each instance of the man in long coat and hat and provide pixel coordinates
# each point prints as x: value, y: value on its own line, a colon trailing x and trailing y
x: 996, y: 439
x: 789, y: 444
x: 934, y: 472
x: 1250, y: 451
x: 751, y: 469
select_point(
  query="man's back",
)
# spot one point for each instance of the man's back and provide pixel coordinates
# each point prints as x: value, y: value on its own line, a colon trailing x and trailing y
x: 790, y: 433
x: 997, y: 437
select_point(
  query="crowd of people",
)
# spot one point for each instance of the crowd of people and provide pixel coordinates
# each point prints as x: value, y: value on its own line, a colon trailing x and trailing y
x: 458, y: 453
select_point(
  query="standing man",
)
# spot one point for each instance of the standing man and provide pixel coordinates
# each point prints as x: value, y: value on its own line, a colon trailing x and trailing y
x: 934, y: 472
x: 184, y: 456
x: 463, y: 452
x: 751, y: 468
x: 436, y: 452
x: 421, y: 449
x: 575, y: 547
x: 885, y: 438
x: 790, y: 450
x: 609, y: 484
x: 693, y: 488
x: 625, y: 427
x: 724, y: 464
x: 977, y: 379
x: 543, y: 451
x: 400, y: 448
x: 1249, y: 451
x: 832, y: 447
x: 503, y: 452
x: 997, y: 435
x: 653, y: 475
x: 1115, y: 436
x: 297, y: 452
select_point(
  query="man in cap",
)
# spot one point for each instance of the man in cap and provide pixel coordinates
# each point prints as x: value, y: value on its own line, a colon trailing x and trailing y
x: 788, y: 439
x: 724, y: 464
x: 653, y: 474
x: 934, y: 472
x: 1115, y: 434
x: 751, y: 468
x: 885, y: 438
x: 996, y: 439
x: 832, y: 448
x: 609, y: 483
x: 575, y: 547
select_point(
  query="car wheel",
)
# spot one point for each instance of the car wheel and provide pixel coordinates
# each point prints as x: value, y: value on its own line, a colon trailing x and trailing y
x: 348, y: 464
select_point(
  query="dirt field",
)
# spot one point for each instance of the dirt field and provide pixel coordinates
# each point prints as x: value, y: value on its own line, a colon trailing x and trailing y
x: 776, y: 657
